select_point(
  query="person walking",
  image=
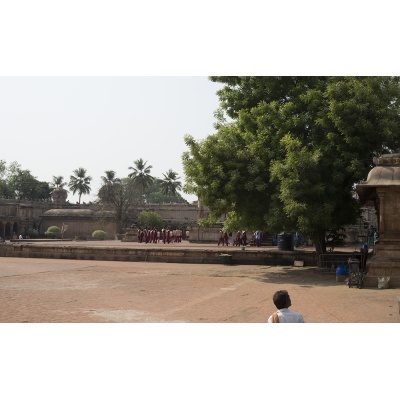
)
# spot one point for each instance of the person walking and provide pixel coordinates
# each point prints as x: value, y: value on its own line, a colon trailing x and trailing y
x: 282, y: 302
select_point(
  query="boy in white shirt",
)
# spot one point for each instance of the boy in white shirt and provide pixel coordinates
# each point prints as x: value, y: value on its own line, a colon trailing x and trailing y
x: 282, y: 302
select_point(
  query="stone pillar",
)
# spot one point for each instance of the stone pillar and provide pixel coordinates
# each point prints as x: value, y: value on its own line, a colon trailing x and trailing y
x: 382, y: 189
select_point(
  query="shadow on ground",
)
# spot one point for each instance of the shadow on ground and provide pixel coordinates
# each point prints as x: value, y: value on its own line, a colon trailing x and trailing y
x: 304, y: 277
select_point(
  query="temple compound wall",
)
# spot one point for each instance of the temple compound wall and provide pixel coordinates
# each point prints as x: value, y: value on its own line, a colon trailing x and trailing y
x: 18, y: 218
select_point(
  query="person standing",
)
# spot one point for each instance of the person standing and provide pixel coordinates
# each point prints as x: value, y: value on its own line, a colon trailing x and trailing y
x: 238, y: 240
x: 244, y: 238
x: 221, y: 238
x: 258, y: 238
x: 168, y: 236
x: 226, y: 238
x: 282, y: 302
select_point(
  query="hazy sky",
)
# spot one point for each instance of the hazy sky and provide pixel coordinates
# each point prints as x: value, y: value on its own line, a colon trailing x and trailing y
x: 53, y: 125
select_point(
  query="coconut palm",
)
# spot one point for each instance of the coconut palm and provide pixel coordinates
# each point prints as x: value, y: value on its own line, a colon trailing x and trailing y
x: 170, y: 184
x: 80, y: 183
x: 141, y: 175
x: 58, y: 182
x: 110, y: 185
x: 110, y: 178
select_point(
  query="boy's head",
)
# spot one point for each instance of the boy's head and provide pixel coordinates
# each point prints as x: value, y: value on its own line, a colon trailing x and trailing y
x: 281, y: 299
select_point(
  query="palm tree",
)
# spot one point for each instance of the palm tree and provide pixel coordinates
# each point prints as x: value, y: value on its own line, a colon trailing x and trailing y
x: 110, y: 185
x: 80, y: 182
x: 58, y: 182
x: 141, y: 175
x: 170, y: 184
x: 110, y: 178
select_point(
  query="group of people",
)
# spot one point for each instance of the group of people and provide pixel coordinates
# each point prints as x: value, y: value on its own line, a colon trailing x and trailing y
x: 156, y: 236
x: 240, y: 238
x: 223, y: 238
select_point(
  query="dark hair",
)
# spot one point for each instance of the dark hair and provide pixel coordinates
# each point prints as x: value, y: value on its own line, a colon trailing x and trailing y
x: 281, y: 299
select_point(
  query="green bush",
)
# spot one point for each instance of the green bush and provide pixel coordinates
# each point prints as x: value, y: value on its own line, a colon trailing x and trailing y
x: 32, y: 233
x: 150, y: 220
x: 53, y: 232
x: 80, y: 238
x: 99, y: 235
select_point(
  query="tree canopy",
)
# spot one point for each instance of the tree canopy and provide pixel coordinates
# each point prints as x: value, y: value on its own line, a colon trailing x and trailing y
x: 19, y: 184
x: 155, y: 194
x: 288, y: 150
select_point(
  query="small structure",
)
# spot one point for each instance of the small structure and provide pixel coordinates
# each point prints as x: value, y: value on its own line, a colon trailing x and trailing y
x: 59, y: 197
x: 382, y: 190
x: 81, y: 222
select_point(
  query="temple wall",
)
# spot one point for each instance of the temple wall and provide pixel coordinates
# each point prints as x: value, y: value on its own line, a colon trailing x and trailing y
x: 392, y: 210
x: 80, y: 226
x: 174, y: 214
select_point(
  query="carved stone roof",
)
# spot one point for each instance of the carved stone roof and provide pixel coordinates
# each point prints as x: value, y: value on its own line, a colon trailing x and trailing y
x: 386, y: 173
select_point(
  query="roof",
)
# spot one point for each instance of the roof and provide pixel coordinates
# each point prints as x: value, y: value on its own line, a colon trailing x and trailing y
x: 61, y: 212
x: 386, y: 173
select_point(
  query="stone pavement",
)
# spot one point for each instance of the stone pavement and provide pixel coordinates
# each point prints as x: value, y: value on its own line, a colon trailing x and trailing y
x: 46, y: 290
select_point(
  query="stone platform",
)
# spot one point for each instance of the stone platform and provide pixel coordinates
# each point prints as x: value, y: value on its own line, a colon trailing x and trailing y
x: 184, y: 252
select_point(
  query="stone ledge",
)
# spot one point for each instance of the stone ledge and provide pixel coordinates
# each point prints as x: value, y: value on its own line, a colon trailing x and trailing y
x: 196, y: 256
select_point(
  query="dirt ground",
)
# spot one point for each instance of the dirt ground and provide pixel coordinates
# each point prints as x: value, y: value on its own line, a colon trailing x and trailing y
x: 68, y: 291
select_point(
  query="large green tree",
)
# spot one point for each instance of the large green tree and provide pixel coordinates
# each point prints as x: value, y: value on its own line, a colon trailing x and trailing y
x: 292, y: 150
x: 19, y: 184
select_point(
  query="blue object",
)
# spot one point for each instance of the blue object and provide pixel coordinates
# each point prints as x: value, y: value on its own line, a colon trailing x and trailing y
x: 341, y: 270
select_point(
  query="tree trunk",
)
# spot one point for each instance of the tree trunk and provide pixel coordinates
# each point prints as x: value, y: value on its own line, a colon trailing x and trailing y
x: 319, y: 242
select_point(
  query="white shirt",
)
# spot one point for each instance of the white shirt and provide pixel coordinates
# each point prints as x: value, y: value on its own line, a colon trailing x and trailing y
x: 285, y: 315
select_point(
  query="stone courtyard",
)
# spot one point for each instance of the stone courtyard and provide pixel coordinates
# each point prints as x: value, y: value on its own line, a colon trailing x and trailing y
x: 37, y: 290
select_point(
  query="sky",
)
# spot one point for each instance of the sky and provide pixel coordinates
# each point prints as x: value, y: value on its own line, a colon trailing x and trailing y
x: 54, y: 125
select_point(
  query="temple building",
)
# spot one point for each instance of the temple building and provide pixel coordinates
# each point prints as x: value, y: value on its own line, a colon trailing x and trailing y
x: 382, y: 190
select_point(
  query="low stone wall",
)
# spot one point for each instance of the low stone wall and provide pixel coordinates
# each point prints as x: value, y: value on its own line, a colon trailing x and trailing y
x: 194, y: 256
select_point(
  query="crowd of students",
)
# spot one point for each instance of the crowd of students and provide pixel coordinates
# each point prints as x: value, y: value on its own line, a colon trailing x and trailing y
x: 156, y: 236
x: 240, y: 238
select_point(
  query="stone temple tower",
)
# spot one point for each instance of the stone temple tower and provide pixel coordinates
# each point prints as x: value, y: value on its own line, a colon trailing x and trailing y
x: 59, y: 197
x: 382, y: 190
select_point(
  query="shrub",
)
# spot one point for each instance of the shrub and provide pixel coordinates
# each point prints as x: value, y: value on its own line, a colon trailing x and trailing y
x: 99, y: 235
x: 150, y: 220
x: 32, y: 233
x: 80, y: 238
x: 53, y: 232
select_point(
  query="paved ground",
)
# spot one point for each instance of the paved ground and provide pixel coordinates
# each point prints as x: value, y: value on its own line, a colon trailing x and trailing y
x: 45, y: 290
